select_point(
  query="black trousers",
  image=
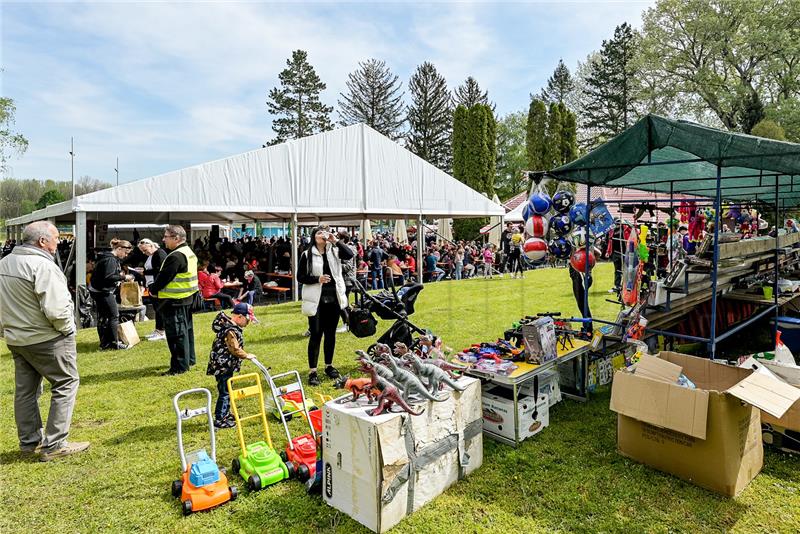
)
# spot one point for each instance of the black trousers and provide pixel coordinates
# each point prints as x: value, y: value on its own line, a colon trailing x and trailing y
x: 107, y: 319
x: 579, y: 292
x: 159, y: 315
x: 324, y: 323
x: 179, y: 330
x: 616, y: 258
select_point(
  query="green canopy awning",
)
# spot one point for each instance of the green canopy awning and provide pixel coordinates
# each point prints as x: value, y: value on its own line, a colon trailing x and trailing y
x: 683, y: 157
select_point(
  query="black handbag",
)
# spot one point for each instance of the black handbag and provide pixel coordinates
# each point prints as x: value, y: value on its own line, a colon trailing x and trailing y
x: 362, y: 323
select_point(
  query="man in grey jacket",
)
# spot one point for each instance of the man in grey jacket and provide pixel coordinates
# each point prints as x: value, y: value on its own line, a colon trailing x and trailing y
x: 38, y: 324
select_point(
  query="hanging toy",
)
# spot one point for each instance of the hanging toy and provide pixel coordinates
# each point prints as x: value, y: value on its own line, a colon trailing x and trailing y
x: 631, y: 270
x: 561, y: 224
x: 578, y: 260
x: 644, y: 251
x: 560, y: 247
x: 536, y: 226
x: 535, y: 248
x: 578, y: 238
x: 600, y: 219
x: 526, y: 212
x: 540, y: 203
x: 578, y: 214
x: 563, y: 201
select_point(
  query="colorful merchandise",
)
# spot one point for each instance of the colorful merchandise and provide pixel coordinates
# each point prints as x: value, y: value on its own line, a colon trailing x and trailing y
x: 631, y: 270
x: 600, y: 219
x: 578, y: 260
x: 578, y: 238
x: 561, y: 224
x: 563, y: 201
x: 560, y: 248
x: 540, y: 203
x: 578, y: 214
x: 527, y: 212
x: 390, y: 394
x: 202, y: 485
x: 536, y: 226
x: 535, y: 248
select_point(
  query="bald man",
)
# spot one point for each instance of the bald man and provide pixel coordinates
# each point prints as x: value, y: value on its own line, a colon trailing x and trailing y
x: 37, y: 321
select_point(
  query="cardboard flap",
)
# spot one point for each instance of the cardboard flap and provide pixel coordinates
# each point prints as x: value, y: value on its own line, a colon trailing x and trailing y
x: 658, y: 369
x: 772, y: 396
x: 660, y: 404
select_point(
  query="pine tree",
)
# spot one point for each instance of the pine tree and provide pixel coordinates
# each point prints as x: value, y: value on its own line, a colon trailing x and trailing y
x: 429, y: 116
x: 559, y: 85
x: 610, y: 91
x: 469, y: 93
x: 296, y: 103
x: 373, y: 97
x: 536, y: 130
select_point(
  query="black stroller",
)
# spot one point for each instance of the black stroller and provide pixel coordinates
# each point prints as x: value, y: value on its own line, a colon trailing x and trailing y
x: 393, y: 304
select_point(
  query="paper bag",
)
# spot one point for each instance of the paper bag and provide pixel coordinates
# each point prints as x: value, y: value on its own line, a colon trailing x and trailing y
x: 129, y: 294
x: 127, y: 333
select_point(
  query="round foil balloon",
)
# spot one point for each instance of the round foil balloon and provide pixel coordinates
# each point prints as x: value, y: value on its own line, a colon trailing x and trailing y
x: 540, y: 203
x: 561, y: 224
x: 578, y: 260
x: 563, y: 201
x: 560, y: 247
x: 536, y: 226
x: 535, y: 248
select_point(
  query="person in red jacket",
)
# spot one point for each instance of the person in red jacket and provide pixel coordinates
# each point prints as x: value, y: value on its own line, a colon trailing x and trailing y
x: 210, y: 285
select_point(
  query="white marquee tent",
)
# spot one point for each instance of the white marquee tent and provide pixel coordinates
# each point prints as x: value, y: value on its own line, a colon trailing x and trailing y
x: 352, y: 173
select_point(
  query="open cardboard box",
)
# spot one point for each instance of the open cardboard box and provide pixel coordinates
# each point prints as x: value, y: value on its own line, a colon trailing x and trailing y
x: 710, y: 436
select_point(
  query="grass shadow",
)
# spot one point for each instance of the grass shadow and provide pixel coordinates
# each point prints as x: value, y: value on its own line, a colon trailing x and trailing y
x: 143, y: 434
x: 128, y: 374
x: 17, y: 457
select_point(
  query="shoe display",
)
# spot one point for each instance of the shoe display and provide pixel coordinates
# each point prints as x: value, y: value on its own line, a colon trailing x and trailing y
x: 332, y: 372
x: 65, y: 449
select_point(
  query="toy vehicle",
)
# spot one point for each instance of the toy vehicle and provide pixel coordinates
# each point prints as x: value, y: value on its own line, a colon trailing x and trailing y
x: 286, y: 398
x: 202, y: 485
x: 258, y: 463
x: 301, y: 451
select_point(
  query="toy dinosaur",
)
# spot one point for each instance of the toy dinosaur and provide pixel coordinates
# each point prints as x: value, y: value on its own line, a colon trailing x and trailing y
x: 389, y: 393
x: 383, y: 371
x: 446, y: 366
x: 434, y: 375
x: 358, y: 387
x: 409, y: 382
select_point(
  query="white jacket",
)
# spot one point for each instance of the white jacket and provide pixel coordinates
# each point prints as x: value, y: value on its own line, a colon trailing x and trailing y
x: 35, y: 303
x: 312, y: 292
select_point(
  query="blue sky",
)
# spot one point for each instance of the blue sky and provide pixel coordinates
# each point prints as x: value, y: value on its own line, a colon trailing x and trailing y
x: 167, y: 85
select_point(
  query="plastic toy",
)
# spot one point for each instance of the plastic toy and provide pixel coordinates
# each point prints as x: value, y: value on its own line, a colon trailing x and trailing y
x: 578, y: 238
x: 409, y: 382
x: 644, y: 252
x: 258, y: 463
x: 561, y: 224
x: 536, y: 226
x: 540, y: 203
x: 390, y: 394
x: 631, y: 270
x: 578, y: 260
x: 535, y: 248
x: 560, y: 248
x: 600, y: 219
x: 358, y: 387
x: 563, y: 201
x: 203, y: 485
x: 434, y: 375
x: 577, y: 213
x: 527, y: 211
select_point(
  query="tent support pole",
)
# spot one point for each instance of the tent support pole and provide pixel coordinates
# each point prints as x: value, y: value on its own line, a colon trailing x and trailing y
x: 420, y: 246
x: 80, y: 261
x: 717, y: 208
x: 585, y: 311
x: 775, y: 287
x: 295, y: 244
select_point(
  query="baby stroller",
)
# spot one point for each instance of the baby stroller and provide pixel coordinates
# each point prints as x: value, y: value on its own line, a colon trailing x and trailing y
x: 391, y: 304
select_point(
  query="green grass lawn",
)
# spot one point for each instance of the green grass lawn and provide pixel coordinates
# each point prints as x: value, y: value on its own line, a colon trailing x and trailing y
x: 568, y: 478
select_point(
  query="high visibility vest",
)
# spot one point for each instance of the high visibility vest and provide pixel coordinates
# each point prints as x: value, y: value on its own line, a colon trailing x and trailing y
x: 184, y: 284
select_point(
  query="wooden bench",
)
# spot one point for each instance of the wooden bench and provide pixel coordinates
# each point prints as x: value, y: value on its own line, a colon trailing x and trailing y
x: 281, y: 293
x: 212, y: 304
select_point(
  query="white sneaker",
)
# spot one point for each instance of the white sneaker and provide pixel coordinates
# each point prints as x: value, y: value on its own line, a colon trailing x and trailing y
x: 342, y: 329
x: 156, y: 336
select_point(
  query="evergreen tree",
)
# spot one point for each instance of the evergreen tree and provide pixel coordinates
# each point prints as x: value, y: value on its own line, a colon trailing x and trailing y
x: 469, y: 93
x: 429, y: 116
x: 559, y: 85
x: 511, y: 155
x: 373, y: 97
x: 536, y: 129
x: 569, y: 136
x: 610, y: 89
x: 553, y: 138
x: 296, y: 103
x: 460, y: 137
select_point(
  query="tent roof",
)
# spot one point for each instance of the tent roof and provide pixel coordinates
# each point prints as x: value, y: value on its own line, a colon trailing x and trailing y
x: 348, y: 173
x: 684, y: 155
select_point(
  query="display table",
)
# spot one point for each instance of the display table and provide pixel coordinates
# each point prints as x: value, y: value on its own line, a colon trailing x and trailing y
x: 527, y: 372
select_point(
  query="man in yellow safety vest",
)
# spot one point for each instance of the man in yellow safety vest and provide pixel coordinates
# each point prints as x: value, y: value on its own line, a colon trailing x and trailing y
x: 175, y: 286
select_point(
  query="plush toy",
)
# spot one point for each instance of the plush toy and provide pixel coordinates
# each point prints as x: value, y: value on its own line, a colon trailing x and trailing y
x: 560, y: 247
x: 540, y: 203
x: 561, y: 224
x: 563, y: 201
x: 578, y: 214
x: 535, y: 248
x: 536, y: 226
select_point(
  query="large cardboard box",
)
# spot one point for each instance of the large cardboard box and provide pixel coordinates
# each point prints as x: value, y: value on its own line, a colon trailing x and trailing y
x: 548, y: 385
x: 380, y: 469
x: 498, y: 413
x: 708, y: 435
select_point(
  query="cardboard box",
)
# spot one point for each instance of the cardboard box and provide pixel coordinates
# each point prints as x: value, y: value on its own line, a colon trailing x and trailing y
x: 498, y: 413
x: 380, y: 469
x: 548, y: 385
x: 539, y: 338
x: 706, y: 436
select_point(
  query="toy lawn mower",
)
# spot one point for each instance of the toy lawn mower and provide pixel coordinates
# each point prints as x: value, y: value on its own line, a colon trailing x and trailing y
x: 203, y: 485
x: 258, y: 463
x: 301, y: 451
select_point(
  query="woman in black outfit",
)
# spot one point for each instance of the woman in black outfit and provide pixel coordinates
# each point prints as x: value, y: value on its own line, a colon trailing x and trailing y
x: 155, y: 257
x: 320, y: 272
x: 106, y: 277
